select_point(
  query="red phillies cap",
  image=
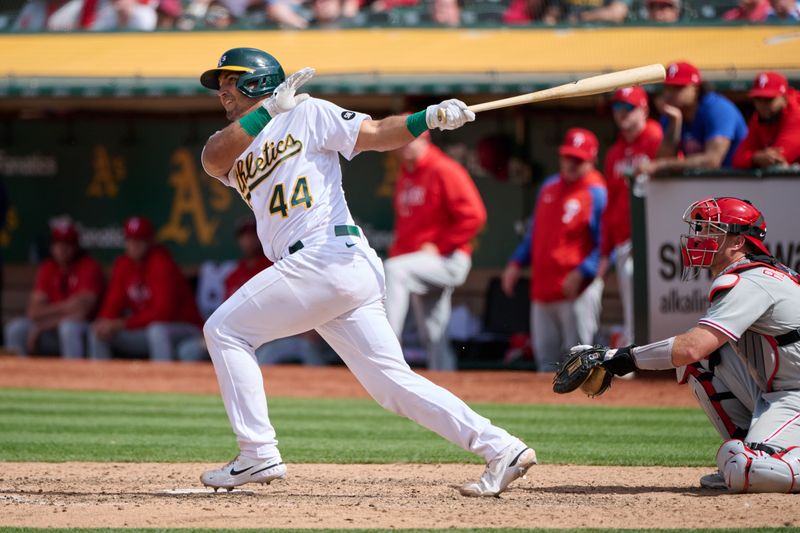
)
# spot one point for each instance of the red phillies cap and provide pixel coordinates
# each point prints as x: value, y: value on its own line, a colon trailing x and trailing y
x: 768, y: 85
x: 580, y: 143
x: 681, y: 73
x: 138, y: 227
x: 63, y: 230
x: 636, y: 96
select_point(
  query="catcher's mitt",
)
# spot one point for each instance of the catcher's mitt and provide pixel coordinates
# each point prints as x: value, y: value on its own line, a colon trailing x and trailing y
x: 584, y: 368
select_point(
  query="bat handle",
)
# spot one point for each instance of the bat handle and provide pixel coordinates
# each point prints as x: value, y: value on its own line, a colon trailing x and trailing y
x: 441, y: 116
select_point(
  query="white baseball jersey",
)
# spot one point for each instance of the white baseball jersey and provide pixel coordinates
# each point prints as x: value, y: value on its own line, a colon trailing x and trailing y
x: 757, y: 305
x: 290, y: 174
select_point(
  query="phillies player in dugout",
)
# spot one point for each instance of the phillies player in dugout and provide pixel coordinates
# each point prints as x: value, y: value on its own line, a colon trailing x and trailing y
x: 437, y: 212
x: 773, y: 138
x: 637, y: 143
x: 149, y: 307
x: 281, y: 153
x: 562, y: 246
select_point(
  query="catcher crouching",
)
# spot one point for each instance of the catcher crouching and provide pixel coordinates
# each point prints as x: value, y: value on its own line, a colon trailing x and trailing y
x: 742, y: 360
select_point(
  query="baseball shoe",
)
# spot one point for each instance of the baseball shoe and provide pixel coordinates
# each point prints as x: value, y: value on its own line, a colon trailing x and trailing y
x: 512, y: 463
x: 243, y: 470
x: 713, y: 481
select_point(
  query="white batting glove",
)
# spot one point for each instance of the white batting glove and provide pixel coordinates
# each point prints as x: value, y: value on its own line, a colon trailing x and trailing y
x: 579, y: 348
x: 448, y: 115
x: 283, y: 98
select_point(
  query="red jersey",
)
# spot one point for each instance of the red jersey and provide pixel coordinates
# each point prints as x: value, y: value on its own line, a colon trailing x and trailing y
x: 154, y: 290
x: 436, y: 202
x: 783, y: 135
x: 621, y: 161
x: 564, y: 234
x: 242, y: 274
x: 759, y: 14
x: 81, y: 276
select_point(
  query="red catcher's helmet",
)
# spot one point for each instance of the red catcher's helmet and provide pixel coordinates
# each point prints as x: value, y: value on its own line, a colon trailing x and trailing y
x: 709, y: 221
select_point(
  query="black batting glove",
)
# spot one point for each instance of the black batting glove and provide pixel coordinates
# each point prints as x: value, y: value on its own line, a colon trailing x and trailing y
x: 622, y: 362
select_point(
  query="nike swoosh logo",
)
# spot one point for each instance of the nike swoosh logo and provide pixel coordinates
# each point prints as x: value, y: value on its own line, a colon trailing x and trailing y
x: 266, y: 468
x: 514, y: 462
x: 349, y: 244
x: 235, y: 472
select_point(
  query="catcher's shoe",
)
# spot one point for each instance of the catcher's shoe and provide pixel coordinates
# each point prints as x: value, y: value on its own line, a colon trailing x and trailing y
x: 512, y: 463
x: 243, y: 470
x: 713, y: 481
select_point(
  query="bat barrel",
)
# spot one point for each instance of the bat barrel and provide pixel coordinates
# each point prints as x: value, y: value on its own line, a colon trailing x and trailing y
x: 602, y: 83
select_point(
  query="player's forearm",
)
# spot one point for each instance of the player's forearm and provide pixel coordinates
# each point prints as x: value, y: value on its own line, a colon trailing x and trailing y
x: 383, y: 135
x: 38, y: 311
x: 222, y: 149
x: 614, y: 12
x: 79, y: 307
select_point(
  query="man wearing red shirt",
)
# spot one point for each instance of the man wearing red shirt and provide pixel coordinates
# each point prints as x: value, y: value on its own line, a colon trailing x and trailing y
x: 637, y: 143
x: 65, y: 296
x: 748, y: 11
x: 149, y: 306
x: 562, y: 247
x: 774, y: 135
x: 438, y: 211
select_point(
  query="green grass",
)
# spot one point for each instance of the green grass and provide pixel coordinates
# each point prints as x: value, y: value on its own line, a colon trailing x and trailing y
x: 94, y: 426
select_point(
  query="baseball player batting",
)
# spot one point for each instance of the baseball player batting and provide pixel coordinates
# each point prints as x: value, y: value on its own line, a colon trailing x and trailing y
x: 281, y: 152
x: 742, y: 360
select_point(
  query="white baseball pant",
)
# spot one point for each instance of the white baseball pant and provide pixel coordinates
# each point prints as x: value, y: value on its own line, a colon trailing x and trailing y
x: 771, y: 418
x: 557, y: 326
x: 623, y: 264
x: 426, y: 282
x: 337, y: 290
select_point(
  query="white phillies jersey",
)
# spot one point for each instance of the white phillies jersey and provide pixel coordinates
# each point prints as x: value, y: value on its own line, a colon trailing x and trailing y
x: 752, y: 307
x: 290, y: 174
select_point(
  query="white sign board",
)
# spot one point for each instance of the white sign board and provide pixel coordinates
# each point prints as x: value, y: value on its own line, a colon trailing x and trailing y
x: 675, y: 306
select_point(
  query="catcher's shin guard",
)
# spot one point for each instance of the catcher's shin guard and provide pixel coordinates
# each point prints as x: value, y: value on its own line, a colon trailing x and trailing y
x: 749, y: 470
x: 722, y: 408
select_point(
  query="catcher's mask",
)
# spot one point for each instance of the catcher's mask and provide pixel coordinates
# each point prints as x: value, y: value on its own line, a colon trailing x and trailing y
x: 710, y: 220
x: 261, y: 72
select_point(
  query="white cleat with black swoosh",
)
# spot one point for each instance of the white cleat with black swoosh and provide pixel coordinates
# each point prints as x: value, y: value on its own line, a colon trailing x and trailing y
x: 244, y: 470
x: 512, y: 463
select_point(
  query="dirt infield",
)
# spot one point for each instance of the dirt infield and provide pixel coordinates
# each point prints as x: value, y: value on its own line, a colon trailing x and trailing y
x: 359, y: 496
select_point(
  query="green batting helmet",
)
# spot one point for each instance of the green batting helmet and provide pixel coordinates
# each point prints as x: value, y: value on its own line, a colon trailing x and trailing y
x: 261, y: 72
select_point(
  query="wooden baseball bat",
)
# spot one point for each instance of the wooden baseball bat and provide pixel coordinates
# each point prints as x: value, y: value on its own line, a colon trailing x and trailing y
x: 587, y: 86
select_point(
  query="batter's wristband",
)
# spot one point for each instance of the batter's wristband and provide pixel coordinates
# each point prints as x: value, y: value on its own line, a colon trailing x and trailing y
x: 253, y: 122
x: 416, y: 123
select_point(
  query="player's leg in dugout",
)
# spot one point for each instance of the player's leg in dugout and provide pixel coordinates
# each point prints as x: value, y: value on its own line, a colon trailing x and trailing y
x: 582, y: 318
x: 547, y: 337
x: 130, y: 343
x: 72, y: 338
x: 624, y: 269
x: 432, y: 315
x: 16, y: 334
x: 164, y: 338
x: 427, y: 281
x: 366, y: 343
